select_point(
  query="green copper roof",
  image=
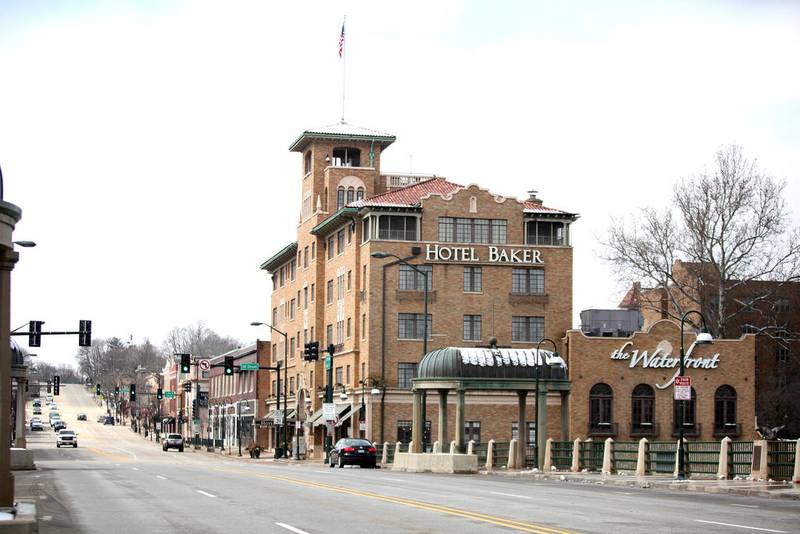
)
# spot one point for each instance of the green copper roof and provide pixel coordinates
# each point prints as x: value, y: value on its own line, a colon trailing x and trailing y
x: 334, y: 220
x: 343, y: 131
x: 286, y: 253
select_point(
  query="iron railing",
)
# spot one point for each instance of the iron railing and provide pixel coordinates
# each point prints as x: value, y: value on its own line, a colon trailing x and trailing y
x: 625, y: 455
x: 740, y: 458
x: 561, y: 454
x: 780, y: 459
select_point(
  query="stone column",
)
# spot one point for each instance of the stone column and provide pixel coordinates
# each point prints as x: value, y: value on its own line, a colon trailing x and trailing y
x: 9, y: 215
x: 722, y: 467
x: 417, y: 424
x: 442, y: 416
x: 19, y: 442
x: 565, y: 416
x: 522, y: 429
x: 459, y: 432
x: 541, y: 429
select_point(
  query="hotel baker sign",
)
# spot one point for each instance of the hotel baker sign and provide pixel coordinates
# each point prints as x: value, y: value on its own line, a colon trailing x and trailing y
x: 663, y: 357
x: 495, y: 254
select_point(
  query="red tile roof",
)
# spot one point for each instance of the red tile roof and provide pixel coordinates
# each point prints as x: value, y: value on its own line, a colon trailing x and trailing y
x: 409, y: 196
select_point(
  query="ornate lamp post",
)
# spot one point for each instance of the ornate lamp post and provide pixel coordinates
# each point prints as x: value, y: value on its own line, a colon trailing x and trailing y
x: 536, y: 413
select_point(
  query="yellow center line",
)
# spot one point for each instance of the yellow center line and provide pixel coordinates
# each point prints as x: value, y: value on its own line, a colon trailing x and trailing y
x: 508, y: 523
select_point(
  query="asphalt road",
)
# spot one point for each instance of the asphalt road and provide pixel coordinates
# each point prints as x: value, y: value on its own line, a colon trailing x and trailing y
x: 115, y: 481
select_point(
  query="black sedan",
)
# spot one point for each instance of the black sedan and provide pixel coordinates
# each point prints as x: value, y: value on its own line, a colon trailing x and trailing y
x: 352, y: 451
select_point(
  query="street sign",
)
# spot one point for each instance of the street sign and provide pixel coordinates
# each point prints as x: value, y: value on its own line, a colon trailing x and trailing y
x: 329, y: 411
x: 683, y: 388
x: 362, y: 426
x: 169, y: 394
x: 205, y: 365
x: 248, y: 366
x: 278, y: 417
x: 328, y: 362
x: 124, y: 390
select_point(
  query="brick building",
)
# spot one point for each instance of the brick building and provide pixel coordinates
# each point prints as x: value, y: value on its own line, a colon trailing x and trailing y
x: 770, y: 310
x: 497, y: 267
x: 621, y: 387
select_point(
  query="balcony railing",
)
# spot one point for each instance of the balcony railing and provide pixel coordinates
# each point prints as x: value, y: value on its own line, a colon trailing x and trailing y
x: 608, y: 430
x: 729, y: 429
x: 403, y: 180
x: 644, y: 429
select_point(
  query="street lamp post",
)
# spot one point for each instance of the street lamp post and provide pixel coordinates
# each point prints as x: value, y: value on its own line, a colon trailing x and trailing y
x: 703, y: 338
x: 285, y: 383
x: 536, y: 412
x: 398, y: 259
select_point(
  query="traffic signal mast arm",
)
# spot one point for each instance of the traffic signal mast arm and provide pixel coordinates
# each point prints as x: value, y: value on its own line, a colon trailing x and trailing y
x: 260, y: 367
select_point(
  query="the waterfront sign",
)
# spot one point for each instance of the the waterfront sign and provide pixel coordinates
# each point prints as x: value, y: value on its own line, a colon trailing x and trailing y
x: 496, y: 254
x: 662, y: 358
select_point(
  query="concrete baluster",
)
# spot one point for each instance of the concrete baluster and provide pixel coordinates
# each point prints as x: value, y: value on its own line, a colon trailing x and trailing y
x: 641, y: 458
x: 512, y: 454
x: 796, y: 475
x: 471, y: 447
x: 490, y: 455
x: 548, y: 455
x: 724, y: 448
x: 437, y: 447
x: 608, y: 456
x: 453, y: 447
x: 385, y: 453
x: 576, y: 456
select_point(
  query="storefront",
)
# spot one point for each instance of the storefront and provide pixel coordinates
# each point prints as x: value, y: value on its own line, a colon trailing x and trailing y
x: 623, y: 387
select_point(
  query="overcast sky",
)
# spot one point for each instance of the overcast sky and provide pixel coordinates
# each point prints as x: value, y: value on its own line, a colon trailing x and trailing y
x: 146, y: 142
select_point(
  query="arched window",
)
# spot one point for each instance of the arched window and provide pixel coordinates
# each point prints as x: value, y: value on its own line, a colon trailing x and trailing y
x: 351, y: 193
x: 601, y: 398
x: 725, y: 409
x: 359, y: 193
x: 643, y: 409
x: 340, y: 198
x: 687, y: 409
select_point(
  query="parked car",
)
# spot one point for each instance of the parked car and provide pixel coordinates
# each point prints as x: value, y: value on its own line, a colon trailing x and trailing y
x: 67, y: 437
x: 109, y: 420
x: 173, y: 441
x: 36, y: 403
x: 36, y: 424
x: 81, y: 417
x: 58, y: 424
x: 352, y: 451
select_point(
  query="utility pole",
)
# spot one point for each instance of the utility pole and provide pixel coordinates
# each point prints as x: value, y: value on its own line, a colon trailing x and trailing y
x: 329, y: 396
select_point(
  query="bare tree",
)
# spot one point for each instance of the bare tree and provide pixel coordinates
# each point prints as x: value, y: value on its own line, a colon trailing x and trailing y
x: 726, y: 231
x: 198, y: 340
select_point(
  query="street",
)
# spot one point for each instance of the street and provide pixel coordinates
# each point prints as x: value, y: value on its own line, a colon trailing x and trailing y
x: 116, y: 481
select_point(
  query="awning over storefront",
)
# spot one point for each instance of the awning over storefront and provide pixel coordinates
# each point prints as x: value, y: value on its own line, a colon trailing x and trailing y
x: 167, y: 420
x: 313, y: 419
x: 290, y: 415
x: 343, y: 419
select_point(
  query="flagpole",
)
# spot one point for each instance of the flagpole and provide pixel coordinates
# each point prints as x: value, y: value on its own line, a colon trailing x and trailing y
x: 344, y: 63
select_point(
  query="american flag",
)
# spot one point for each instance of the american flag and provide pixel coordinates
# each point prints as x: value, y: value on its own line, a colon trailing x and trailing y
x: 341, y: 42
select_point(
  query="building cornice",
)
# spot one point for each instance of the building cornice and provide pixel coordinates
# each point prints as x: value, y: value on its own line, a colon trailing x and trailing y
x: 285, y: 254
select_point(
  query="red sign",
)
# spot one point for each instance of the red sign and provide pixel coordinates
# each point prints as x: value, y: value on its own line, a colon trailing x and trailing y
x: 685, y: 381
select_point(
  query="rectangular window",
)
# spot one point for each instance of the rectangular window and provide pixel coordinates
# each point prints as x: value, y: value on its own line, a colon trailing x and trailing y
x: 273, y: 389
x: 305, y: 258
x: 291, y: 347
x: 291, y: 309
x: 472, y: 431
x: 339, y: 332
x: 397, y: 228
x: 349, y: 328
x: 340, y: 287
x: 782, y: 354
x: 340, y: 242
x: 405, y: 374
x: 473, y: 279
x: 531, y: 431
x: 411, y: 280
x: 527, y: 329
x: 412, y: 326
x: 292, y: 269
x: 404, y: 431
x: 330, y: 247
x: 349, y: 234
x: 527, y: 281
x: 365, y: 231
x: 465, y: 230
x: 472, y: 327
x: 274, y: 315
x: 329, y: 334
x: 349, y: 280
x: 781, y: 305
x: 339, y: 375
x: 313, y: 292
x: 330, y: 292
x: 347, y: 375
x: 291, y: 385
x: 305, y: 298
x: 545, y: 233
x: 363, y: 277
x: 363, y: 326
x: 313, y: 250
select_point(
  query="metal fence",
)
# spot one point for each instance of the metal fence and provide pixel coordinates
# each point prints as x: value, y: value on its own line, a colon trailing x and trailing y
x: 702, y: 457
x: 591, y: 455
x: 481, y: 450
x: 390, y: 455
x: 561, y: 454
x: 661, y: 456
x: 740, y: 458
x: 500, y: 455
x: 780, y: 459
x: 625, y: 455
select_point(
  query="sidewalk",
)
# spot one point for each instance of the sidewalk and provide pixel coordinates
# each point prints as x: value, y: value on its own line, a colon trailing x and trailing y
x: 751, y: 488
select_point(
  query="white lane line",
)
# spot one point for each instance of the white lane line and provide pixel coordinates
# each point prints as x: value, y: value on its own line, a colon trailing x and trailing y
x: 201, y: 492
x: 624, y: 492
x: 135, y: 468
x: 162, y: 478
x: 291, y: 528
x: 510, y: 495
x: 739, y: 526
x: 745, y: 505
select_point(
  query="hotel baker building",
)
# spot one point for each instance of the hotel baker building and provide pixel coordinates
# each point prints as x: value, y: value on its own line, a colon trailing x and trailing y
x: 497, y: 267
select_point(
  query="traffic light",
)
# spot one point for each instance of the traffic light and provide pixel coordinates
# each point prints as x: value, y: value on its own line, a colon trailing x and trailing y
x: 133, y: 392
x: 116, y: 390
x: 49, y: 385
x: 331, y: 349
x: 311, y: 352
x: 97, y: 389
x: 56, y: 384
x: 187, y: 386
x: 160, y: 394
x: 186, y: 363
x: 229, y: 365
x: 35, y: 333
x: 194, y: 409
x: 85, y: 333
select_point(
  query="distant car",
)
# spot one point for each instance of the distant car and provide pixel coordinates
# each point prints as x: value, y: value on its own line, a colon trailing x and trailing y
x: 53, y: 416
x: 37, y: 403
x: 81, y: 417
x: 53, y: 406
x: 101, y: 418
x: 36, y: 424
x: 173, y: 441
x: 66, y: 437
x: 351, y: 451
x: 58, y: 424
x: 37, y: 410
x: 109, y: 420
